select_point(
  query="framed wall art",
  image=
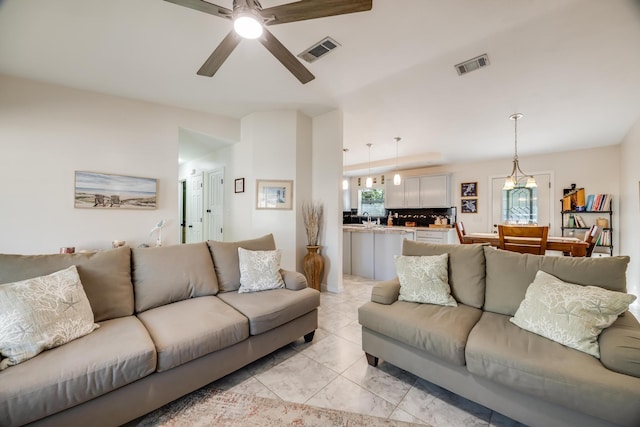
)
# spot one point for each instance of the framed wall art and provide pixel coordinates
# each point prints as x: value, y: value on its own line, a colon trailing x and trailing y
x: 469, y: 189
x: 238, y: 185
x: 272, y: 194
x: 469, y: 205
x: 106, y: 191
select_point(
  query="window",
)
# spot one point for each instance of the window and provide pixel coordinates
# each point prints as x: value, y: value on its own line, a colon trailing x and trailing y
x: 520, y: 206
x: 371, y: 202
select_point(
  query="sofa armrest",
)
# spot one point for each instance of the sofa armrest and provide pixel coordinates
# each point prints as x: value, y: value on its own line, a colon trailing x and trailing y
x: 386, y: 292
x: 293, y: 280
x: 620, y: 345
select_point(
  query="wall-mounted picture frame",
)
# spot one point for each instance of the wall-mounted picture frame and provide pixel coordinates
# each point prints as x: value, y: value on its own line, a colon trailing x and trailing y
x: 469, y: 206
x: 107, y: 191
x: 469, y: 189
x: 274, y: 194
x: 238, y: 185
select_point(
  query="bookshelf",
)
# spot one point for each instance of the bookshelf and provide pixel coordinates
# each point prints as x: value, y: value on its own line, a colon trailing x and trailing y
x: 571, y: 224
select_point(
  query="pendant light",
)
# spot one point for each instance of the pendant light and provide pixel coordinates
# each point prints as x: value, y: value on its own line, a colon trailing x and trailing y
x: 345, y: 181
x: 369, y: 181
x: 397, y: 180
x: 513, y: 180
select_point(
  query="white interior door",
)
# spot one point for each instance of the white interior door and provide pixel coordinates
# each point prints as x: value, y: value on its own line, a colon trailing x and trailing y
x: 214, y: 204
x: 194, y: 208
x: 543, y: 200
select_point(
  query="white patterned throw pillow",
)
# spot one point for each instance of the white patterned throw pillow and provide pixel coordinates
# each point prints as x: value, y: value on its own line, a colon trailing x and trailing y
x: 570, y: 314
x: 425, y: 279
x: 42, y: 313
x: 259, y: 270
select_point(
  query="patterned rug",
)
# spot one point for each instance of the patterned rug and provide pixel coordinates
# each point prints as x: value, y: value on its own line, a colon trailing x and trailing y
x: 211, y: 407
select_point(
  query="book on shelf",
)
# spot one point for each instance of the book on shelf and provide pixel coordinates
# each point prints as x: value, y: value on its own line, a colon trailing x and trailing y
x: 600, y: 202
x: 590, y: 198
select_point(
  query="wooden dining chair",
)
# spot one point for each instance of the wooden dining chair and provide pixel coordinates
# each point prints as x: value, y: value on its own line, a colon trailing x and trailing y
x: 461, y: 231
x: 591, y: 237
x: 524, y: 239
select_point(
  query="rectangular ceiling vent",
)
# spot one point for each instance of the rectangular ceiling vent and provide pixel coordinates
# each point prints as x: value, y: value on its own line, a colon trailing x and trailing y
x: 319, y: 49
x: 472, y: 64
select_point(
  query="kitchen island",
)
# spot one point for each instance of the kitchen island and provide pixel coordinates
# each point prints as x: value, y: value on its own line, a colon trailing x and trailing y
x: 368, y: 251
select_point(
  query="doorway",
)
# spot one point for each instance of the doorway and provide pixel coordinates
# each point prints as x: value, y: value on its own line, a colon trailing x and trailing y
x: 201, y: 202
x: 522, y: 205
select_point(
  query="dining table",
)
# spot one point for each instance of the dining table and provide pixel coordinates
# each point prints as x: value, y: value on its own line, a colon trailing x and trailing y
x: 569, y: 246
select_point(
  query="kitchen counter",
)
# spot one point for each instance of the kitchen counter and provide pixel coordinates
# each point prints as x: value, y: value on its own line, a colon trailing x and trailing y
x: 390, y: 229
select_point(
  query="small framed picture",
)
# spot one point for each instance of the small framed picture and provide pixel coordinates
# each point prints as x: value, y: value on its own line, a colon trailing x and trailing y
x: 469, y: 205
x: 238, y: 185
x: 469, y: 189
x: 272, y: 194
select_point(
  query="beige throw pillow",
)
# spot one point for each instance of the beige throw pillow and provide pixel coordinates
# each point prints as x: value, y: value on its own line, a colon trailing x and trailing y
x: 570, y: 314
x: 259, y: 270
x: 424, y: 279
x: 42, y: 313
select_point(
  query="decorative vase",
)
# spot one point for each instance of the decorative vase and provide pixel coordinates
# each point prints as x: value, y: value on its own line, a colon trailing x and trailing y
x: 313, y: 264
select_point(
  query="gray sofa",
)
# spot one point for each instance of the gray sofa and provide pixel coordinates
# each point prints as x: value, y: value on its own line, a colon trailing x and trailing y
x: 171, y: 321
x: 474, y: 351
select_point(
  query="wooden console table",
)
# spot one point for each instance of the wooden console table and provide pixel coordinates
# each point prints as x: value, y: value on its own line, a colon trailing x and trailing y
x: 567, y: 245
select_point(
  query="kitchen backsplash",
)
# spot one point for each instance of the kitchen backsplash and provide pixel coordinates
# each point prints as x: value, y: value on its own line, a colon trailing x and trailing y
x: 422, y: 217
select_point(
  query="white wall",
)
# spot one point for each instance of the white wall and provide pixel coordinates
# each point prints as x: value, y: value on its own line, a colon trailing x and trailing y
x: 630, y: 207
x: 47, y: 132
x: 327, y: 188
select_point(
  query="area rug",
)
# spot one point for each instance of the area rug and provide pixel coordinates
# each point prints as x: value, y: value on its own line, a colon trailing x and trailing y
x: 211, y: 407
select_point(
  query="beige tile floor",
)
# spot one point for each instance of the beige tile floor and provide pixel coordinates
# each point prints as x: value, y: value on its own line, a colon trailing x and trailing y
x: 332, y: 372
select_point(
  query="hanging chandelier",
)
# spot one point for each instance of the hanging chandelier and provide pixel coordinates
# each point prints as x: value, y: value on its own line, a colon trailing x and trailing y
x: 369, y: 182
x: 513, y: 180
x: 397, y: 180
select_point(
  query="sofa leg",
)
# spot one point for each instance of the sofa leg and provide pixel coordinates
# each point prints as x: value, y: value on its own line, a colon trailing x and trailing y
x: 372, y: 360
x: 309, y: 337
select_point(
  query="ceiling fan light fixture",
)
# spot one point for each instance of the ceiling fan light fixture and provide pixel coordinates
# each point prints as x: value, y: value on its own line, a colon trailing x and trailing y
x: 248, y: 25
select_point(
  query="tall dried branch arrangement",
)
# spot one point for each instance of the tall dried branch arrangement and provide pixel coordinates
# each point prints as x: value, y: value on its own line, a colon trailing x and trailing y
x: 312, y: 215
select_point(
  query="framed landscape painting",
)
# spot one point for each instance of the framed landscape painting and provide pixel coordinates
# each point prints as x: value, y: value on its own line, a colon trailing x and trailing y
x: 105, y: 191
x: 274, y: 194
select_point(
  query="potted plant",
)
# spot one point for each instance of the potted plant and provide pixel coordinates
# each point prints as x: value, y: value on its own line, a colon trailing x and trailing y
x: 313, y: 263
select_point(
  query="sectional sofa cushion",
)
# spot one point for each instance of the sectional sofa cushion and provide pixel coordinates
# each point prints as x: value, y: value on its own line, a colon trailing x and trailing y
x: 619, y: 349
x: 167, y: 274
x: 509, y: 274
x: 188, y: 329
x: 226, y: 261
x: 466, y: 268
x: 269, y: 309
x: 386, y: 292
x: 42, y: 313
x: 502, y: 352
x: 118, y: 353
x: 105, y: 276
x: 570, y: 314
x: 438, y: 330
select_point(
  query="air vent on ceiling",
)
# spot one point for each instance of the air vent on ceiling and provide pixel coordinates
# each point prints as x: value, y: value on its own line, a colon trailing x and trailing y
x: 319, y: 49
x: 472, y: 64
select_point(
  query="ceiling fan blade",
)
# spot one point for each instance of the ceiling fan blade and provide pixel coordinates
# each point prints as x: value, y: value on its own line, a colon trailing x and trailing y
x: 219, y: 55
x: 205, y: 7
x: 311, y: 9
x: 287, y: 59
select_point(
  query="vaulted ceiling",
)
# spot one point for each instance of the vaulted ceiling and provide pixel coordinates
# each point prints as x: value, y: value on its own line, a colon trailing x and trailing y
x: 571, y: 66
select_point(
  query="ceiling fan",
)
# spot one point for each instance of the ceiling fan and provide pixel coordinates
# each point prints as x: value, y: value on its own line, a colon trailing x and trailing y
x: 250, y: 21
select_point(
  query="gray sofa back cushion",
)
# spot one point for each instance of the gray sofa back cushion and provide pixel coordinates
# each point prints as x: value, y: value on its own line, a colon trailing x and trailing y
x: 509, y: 274
x: 105, y: 276
x: 466, y: 268
x: 167, y: 274
x: 226, y: 262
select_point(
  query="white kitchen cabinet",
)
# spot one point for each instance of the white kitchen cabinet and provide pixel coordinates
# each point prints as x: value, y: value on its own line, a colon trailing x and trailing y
x: 362, y: 254
x: 394, y: 195
x: 434, y: 191
x: 346, y: 252
x: 412, y: 192
x: 446, y: 236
